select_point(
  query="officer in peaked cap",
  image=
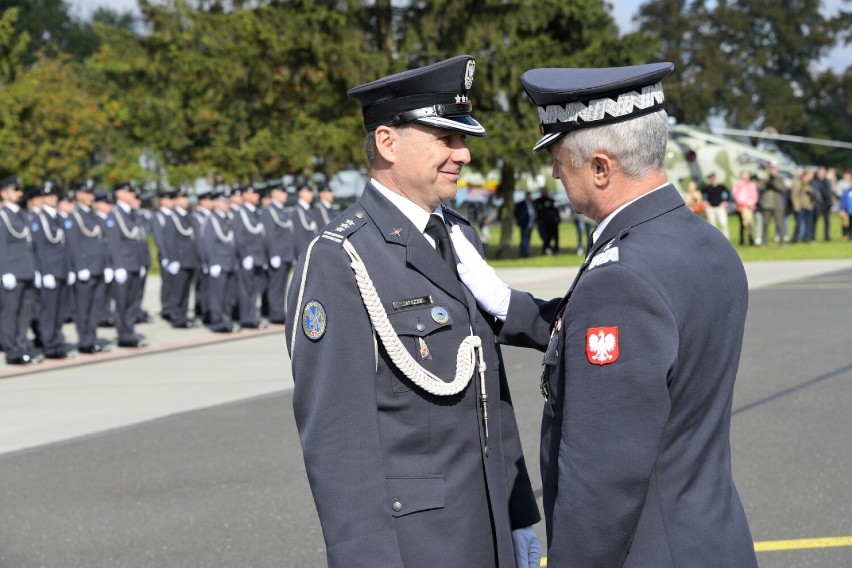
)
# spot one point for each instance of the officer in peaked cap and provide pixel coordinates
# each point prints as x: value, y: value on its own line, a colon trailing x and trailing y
x: 48, y: 233
x: 630, y: 483
x: 305, y: 223
x: 17, y: 272
x: 219, y: 252
x: 85, y: 241
x: 161, y: 220
x: 281, y: 248
x: 325, y: 209
x: 466, y: 501
x: 250, y: 237
x: 179, y: 234
x: 126, y: 234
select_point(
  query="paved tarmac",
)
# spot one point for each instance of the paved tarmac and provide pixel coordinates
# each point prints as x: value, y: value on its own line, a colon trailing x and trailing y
x: 186, y: 453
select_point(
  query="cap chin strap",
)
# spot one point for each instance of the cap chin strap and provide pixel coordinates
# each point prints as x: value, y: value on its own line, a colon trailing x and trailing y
x: 444, y: 110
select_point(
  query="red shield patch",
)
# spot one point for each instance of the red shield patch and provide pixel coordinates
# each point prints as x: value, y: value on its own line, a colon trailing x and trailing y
x: 602, y: 345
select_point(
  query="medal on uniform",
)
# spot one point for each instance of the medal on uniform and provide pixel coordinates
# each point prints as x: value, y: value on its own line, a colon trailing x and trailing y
x: 423, y: 349
x: 440, y: 315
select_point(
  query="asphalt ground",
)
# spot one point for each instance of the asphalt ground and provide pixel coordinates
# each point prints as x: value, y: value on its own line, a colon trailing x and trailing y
x: 185, y: 454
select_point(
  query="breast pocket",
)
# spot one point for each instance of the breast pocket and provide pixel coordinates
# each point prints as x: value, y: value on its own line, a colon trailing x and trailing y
x: 424, y: 332
x: 414, y: 494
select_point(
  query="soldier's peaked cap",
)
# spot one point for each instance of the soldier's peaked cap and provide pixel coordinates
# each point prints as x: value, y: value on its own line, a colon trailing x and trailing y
x: 569, y: 99
x: 434, y: 95
x: 13, y: 181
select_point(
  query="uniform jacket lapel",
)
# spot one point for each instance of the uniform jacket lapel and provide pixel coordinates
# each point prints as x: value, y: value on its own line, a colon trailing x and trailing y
x: 397, y: 230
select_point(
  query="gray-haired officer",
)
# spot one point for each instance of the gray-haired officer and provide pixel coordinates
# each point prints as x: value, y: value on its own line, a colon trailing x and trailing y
x: 17, y: 272
x: 401, y: 399
x: 180, y: 237
x: 125, y: 236
x: 160, y: 220
x: 281, y: 248
x: 250, y: 235
x: 220, y: 254
x: 85, y: 241
x: 52, y: 263
x: 639, y: 368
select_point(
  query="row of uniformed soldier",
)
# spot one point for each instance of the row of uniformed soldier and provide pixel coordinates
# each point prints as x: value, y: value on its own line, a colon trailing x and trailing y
x: 245, y: 240
x: 77, y: 257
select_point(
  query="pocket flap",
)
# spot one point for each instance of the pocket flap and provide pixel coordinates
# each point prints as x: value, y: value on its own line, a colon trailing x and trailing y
x: 412, y: 494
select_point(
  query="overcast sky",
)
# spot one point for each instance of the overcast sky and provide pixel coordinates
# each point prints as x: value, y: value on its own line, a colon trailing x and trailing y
x: 623, y: 10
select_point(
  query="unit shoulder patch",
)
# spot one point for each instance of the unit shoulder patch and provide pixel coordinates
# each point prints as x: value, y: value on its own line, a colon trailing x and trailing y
x: 602, y: 345
x: 314, y: 320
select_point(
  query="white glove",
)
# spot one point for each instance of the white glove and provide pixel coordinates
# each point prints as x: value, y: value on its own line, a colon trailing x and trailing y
x: 275, y: 262
x: 491, y: 293
x: 164, y: 263
x: 72, y: 277
x: 142, y: 272
x: 37, y: 279
x: 215, y: 270
x: 84, y: 275
x: 120, y: 275
x: 248, y: 263
x: 173, y: 267
x: 109, y: 274
x: 527, y: 548
x: 204, y: 269
x: 49, y: 281
x: 9, y: 281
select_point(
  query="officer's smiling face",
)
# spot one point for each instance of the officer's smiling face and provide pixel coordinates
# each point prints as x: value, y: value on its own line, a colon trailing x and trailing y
x: 427, y: 164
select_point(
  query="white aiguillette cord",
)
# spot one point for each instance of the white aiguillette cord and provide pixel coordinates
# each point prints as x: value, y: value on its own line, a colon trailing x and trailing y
x: 466, y: 357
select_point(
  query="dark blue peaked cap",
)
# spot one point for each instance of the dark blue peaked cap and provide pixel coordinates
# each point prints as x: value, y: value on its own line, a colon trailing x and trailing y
x: 571, y: 99
x: 435, y: 95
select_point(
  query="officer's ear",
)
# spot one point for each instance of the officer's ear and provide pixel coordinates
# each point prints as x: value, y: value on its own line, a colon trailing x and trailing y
x: 387, y: 139
x: 603, y: 166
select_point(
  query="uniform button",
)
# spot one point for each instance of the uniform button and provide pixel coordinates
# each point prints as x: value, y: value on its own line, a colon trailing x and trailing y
x: 397, y: 506
x: 420, y: 327
x: 359, y: 214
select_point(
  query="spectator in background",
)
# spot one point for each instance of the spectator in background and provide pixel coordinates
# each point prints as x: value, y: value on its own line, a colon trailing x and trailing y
x: 525, y: 219
x: 772, y: 203
x: 717, y: 196
x: 803, y: 204
x: 844, y: 188
x: 693, y: 198
x: 746, y: 196
x: 547, y: 218
x: 823, y: 200
x: 485, y: 232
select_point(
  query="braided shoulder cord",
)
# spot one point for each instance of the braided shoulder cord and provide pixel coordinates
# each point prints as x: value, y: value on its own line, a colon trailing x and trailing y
x: 51, y: 237
x: 312, y: 226
x: 186, y: 232
x: 91, y: 234
x: 128, y: 233
x: 25, y: 234
x: 286, y: 224
x: 253, y: 229
x: 466, y: 359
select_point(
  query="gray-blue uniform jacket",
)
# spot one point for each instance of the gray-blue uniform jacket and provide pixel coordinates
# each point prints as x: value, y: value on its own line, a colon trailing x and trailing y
x: 635, y: 448
x: 218, y: 242
x: 86, y: 242
x: 16, y: 247
x: 49, y: 244
x: 180, y: 234
x: 125, y: 236
x: 400, y: 477
x: 250, y: 234
x: 280, y: 233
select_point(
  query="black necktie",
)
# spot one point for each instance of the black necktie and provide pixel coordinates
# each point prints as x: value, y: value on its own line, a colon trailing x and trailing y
x: 436, y: 229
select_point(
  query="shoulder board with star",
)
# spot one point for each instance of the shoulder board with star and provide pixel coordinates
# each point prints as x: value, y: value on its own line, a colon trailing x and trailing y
x: 344, y: 225
x: 607, y: 255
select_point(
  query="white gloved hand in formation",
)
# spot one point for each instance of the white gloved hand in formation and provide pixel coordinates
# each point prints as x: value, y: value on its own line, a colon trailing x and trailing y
x: 275, y: 262
x: 173, y: 267
x: 109, y: 274
x: 84, y: 275
x: 491, y: 293
x: 72, y: 277
x: 142, y: 272
x: 48, y: 281
x: 120, y: 275
x: 215, y: 270
x: 37, y: 279
x: 248, y: 263
x: 9, y: 281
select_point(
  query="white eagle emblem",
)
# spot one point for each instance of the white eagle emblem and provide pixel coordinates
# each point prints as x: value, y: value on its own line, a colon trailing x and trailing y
x: 602, y: 346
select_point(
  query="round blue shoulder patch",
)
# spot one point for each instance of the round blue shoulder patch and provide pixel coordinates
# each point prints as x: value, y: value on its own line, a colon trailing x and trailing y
x: 68, y: 223
x: 110, y: 222
x: 314, y: 320
x: 34, y: 226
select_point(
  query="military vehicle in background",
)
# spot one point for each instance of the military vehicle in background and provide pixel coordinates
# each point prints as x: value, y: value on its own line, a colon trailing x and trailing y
x: 694, y: 153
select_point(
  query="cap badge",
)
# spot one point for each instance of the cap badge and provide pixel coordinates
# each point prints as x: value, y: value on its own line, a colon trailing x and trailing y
x: 602, y: 345
x: 314, y: 320
x: 468, y: 74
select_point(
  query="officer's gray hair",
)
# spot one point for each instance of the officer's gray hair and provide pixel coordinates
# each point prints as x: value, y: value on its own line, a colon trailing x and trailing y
x: 638, y: 144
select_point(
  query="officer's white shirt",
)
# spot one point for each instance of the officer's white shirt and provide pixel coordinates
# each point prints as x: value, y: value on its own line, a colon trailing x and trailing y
x: 13, y: 207
x: 124, y: 207
x: 49, y: 210
x: 599, y: 231
x: 418, y: 217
